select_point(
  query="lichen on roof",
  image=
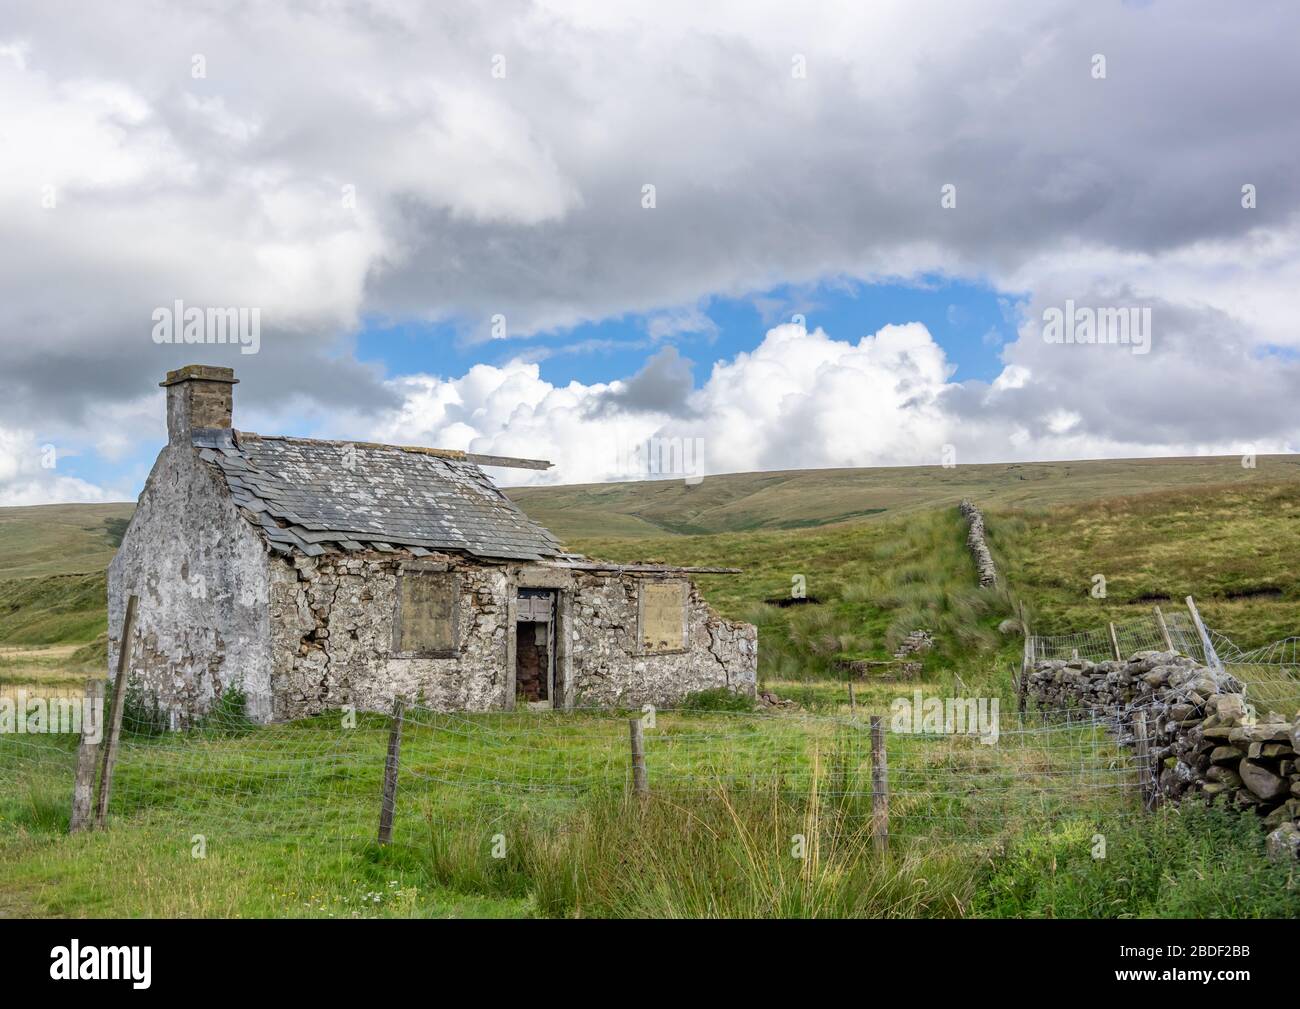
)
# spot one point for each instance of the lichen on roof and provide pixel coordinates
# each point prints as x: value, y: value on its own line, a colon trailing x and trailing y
x: 307, y: 496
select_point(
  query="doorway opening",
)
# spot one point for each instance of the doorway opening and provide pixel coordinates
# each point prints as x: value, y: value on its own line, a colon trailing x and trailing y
x: 535, y: 648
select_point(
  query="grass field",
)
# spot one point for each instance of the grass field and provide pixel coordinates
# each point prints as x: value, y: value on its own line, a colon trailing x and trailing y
x: 287, y: 813
x: 53, y: 610
x: 284, y: 816
x: 1233, y: 547
x: 52, y: 668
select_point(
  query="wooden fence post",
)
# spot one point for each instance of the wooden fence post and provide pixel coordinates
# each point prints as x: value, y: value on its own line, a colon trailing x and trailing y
x: 1114, y: 642
x: 1164, y: 629
x: 1143, y: 756
x: 640, y: 782
x: 92, y: 734
x: 124, y: 645
x: 853, y: 703
x: 879, y: 786
x: 392, y: 763
x: 1026, y: 663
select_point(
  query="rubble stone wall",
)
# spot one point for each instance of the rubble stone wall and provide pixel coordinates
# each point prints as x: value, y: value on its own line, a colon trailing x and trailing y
x: 1205, y: 739
x: 332, y: 624
x: 609, y: 668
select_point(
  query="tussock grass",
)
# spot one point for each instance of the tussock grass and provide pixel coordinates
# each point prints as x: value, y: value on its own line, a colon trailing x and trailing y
x: 876, y: 583
x: 286, y: 813
x: 1231, y: 546
x: 1181, y: 862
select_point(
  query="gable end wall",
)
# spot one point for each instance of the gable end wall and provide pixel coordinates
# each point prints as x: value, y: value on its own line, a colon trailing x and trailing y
x: 201, y: 573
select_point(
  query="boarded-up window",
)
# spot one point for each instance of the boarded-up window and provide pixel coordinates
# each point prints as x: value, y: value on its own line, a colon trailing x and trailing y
x: 426, y: 624
x: 662, y: 616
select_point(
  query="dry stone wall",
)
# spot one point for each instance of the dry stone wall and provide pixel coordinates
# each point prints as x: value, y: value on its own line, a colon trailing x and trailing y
x: 988, y: 573
x: 918, y: 642
x: 1206, y: 740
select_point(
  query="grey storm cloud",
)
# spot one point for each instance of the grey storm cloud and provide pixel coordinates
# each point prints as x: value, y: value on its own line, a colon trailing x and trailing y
x: 1200, y: 376
x: 664, y: 385
x: 335, y: 162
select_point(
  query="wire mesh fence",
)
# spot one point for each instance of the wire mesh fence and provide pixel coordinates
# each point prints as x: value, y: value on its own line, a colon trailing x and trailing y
x: 317, y: 783
x: 1143, y: 633
x: 1269, y: 675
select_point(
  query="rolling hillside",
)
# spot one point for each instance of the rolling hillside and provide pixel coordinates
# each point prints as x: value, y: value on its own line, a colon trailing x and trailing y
x: 793, y: 499
x: 881, y: 548
x: 73, y: 539
x: 60, y: 539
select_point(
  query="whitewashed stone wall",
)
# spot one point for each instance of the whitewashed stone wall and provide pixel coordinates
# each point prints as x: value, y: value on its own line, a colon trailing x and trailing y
x: 201, y: 573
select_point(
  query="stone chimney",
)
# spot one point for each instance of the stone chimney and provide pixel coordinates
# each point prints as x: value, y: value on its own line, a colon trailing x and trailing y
x: 198, y: 396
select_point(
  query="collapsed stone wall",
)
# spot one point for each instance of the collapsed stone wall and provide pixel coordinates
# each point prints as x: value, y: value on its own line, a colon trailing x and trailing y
x: 917, y: 642
x: 1205, y: 739
x: 610, y: 668
x: 979, y: 548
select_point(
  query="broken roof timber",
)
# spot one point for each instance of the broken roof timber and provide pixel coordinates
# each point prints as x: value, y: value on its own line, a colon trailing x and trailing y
x: 506, y: 462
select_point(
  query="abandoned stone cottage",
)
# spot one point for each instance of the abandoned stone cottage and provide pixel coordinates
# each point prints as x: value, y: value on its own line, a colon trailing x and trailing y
x: 318, y: 574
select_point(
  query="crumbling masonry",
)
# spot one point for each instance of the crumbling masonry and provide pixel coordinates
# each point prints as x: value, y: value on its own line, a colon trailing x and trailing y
x: 314, y: 575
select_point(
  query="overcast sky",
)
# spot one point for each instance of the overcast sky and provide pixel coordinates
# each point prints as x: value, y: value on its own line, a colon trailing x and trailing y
x: 861, y: 214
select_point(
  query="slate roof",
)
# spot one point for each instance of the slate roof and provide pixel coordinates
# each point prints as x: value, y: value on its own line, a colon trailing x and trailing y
x: 307, y: 496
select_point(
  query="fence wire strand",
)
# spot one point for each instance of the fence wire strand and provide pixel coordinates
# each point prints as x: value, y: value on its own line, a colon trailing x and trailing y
x: 1269, y: 675
x: 317, y: 782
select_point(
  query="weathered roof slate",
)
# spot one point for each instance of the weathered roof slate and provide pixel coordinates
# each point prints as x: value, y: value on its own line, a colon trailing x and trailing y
x: 305, y: 495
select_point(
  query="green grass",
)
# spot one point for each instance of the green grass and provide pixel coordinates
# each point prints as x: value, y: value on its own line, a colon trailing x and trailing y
x: 287, y: 813
x: 67, y: 539
x: 57, y: 609
x: 1188, y: 862
x: 1232, y: 547
x: 874, y: 583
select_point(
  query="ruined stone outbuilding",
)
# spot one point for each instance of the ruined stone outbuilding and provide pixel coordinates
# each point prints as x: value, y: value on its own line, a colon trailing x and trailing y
x: 314, y: 575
